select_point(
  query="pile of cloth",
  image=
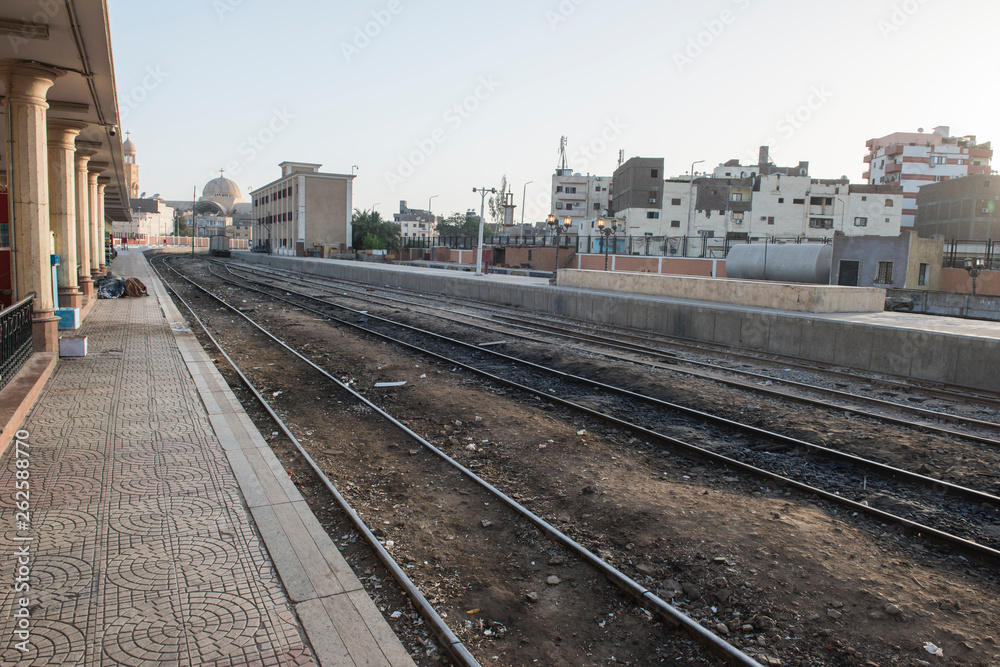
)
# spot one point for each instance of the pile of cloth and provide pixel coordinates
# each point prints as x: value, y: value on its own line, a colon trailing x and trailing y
x: 113, y: 286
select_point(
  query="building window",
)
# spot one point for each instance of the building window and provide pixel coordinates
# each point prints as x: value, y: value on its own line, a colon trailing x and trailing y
x: 559, y: 205
x: 770, y: 219
x: 737, y: 196
x: 781, y: 200
x: 675, y: 202
x: 652, y: 215
x: 939, y: 159
x: 925, y: 271
x: 654, y: 173
x: 798, y: 201
x: 888, y: 203
x: 860, y: 222
x: 559, y: 188
x: 884, y: 273
x: 737, y: 217
x: 570, y: 190
x: 821, y: 201
x: 675, y: 224
x: 864, y: 198
x: 960, y: 161
x: 597, y: 206
x: 569, y: 207
x: 821, y: 223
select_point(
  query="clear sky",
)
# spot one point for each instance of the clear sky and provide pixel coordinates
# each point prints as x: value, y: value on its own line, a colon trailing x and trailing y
x: 435, y: 98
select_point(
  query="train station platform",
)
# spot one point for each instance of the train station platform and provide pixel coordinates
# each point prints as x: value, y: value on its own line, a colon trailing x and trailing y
x: 926, y: 347
x: 160, y: 528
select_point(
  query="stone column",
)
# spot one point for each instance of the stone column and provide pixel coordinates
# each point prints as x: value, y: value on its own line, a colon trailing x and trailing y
x: 62, y: 206
x: 96, y: 225
x: 102, y: 183
x: 83, y: 222
x: 26, y: 87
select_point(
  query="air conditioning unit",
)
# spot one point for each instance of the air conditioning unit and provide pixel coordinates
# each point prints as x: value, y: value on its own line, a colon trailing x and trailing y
x: 763, y: 218
x: 652, y: 201
x: 986, y: 210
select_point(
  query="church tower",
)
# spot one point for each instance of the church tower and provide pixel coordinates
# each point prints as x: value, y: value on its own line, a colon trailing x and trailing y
x: 131, y: 168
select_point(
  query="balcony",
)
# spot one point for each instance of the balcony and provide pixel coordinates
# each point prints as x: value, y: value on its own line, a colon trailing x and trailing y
x: 895, y: 149
x: 866, y: 175
x: 868, y: 158
x: 981, y: 152
x: 893, y: 168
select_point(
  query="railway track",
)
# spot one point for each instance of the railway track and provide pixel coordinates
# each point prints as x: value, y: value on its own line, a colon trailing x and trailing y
x: 644, y: 346
x: 710, y: 642
x: 926, y: 511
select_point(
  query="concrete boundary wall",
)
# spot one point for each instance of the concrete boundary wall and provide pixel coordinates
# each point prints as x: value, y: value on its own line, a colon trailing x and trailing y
x: 755, y: 293
x: 942, y: 357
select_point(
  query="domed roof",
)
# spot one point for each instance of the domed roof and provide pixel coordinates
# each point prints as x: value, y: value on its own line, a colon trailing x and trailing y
x: 222, y: 187
x: 128, y: 147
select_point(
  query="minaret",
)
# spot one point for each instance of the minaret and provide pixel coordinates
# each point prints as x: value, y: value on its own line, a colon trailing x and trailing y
x: 131, y: 168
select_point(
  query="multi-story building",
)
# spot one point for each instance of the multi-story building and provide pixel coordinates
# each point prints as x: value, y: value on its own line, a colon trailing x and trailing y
x: 303, y: 210
x: 414, y: 223
x: 966, y: 209
x: 581, y: 198
x: 150, y: 217
x: 914, y: 159
x: 755, y: 201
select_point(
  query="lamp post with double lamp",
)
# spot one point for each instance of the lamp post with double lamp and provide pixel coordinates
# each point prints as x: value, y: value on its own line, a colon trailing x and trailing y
x: 606, y: 233
x: 974, y: 267
x: 687, y: 233
x: 482, y: 212
x: 554, y: 225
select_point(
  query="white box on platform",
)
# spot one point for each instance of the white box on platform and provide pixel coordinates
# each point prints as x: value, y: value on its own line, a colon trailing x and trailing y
x: 73, y: 346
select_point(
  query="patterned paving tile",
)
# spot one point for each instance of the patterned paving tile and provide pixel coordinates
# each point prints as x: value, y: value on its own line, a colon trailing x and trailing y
x: 142, y: 550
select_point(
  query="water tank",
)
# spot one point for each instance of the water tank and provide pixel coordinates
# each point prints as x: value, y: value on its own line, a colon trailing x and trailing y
x: 806, y: 263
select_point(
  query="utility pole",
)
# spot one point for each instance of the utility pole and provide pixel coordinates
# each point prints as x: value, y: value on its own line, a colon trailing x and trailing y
x: 482, y: 213
x: 194, y: 205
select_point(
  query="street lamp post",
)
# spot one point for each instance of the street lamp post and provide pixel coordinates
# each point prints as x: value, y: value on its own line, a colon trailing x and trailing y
x: 429, y: 203
x: 974, y: 267
x: 687, y: 233
x: 482, y: 213
x: 843, y: 213
x: 524, y: 200
x: 605, y: 235
x: 554, y: 225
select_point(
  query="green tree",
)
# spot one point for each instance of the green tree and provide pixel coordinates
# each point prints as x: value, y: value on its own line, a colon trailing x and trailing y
x: 496, y: 204
x: 180, y: 225
x: 371, y: 232
x: 459, y: 224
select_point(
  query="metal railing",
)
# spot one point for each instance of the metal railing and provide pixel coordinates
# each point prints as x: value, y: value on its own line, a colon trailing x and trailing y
x: 955, y: 252
x: 16, y: 343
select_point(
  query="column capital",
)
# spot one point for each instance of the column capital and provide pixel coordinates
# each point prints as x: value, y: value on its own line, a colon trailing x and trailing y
x: 63, y: 133
x: 27, y: 81
x: 95, y: 168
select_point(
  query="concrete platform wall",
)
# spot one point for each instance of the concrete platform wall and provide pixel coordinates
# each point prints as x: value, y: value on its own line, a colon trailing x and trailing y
x: 754, y: 293
x: 941, y: 357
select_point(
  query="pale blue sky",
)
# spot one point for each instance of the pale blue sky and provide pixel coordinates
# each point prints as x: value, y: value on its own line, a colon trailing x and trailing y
x: 445, y: 96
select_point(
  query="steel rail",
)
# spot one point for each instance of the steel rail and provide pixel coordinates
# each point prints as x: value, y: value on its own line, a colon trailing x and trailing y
x: 881, y: 468
x: 643, y: 595
x: 453, y: 646
x: 963, y: 545
x: 585, y: 337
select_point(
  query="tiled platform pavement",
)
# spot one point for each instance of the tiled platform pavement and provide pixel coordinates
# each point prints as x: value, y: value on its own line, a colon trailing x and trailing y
x: 154, y: 505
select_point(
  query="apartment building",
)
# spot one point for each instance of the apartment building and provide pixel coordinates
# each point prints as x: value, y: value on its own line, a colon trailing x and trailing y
x: 414, y: 223
x: 581, y: 198
x: 915, y: 159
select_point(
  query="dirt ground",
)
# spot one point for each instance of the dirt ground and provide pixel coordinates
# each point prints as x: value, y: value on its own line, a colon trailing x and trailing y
x: 786, y: 578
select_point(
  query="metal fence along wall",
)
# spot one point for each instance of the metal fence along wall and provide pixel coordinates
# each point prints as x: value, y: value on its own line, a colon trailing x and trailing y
x: 16, y: 343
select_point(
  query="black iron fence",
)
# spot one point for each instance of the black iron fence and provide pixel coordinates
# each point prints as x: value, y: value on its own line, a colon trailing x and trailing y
x: 16, y: 344
x: 956, y: 251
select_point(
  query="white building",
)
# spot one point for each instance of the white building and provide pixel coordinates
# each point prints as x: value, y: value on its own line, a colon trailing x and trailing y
x: 578, y: 197
x: 150, y: 217
x: 414, y: 223
x: 913, y: 159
